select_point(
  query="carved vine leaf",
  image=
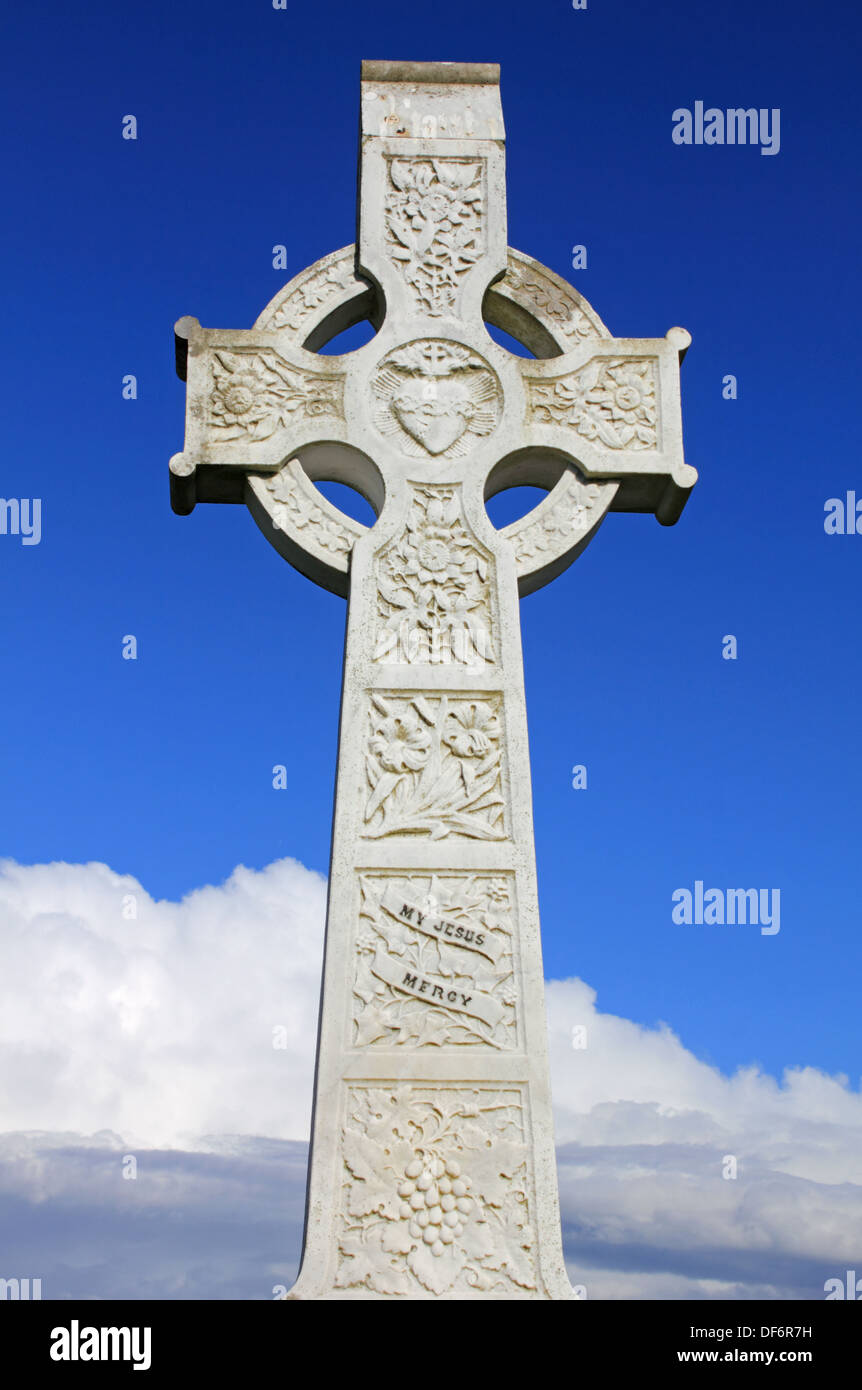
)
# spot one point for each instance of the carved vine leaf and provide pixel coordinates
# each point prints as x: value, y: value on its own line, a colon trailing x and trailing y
x: 446, y: 1205
x: 572, y: 516
x: 434, y: 229
x: 549, y: 301
x: 312, y: 293
x: 433, y: 591
x: 253, y: 393
x: 415, y: 942
x: 611, y: 402
x: 433, y: 768
x: 291, y: 507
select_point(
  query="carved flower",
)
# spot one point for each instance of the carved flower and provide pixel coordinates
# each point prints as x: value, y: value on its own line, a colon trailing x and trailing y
x: 432, y: 207
x: 628, y: 393
x: 433, y: 561
x: 282, y: 485
x: 571, y: 393
x: 472, y: 730
x: 235, y: 395
x: 401, y: 743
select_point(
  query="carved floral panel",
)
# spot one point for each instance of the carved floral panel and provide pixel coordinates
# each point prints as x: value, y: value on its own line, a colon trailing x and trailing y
x: 436, y: 1195
x: 611, y: 402
x: 434, y: 225
x: 433, y: 587
x: 434, y: 961
x: 253, y: 393
x: 433, y: 766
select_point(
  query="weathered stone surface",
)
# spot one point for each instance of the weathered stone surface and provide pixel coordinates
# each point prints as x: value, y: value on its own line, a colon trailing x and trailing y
x: 432, y: 1170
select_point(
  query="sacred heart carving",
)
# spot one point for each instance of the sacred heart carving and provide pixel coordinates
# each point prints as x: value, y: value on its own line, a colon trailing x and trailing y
x: 435, y: 397
x: 438, y: 420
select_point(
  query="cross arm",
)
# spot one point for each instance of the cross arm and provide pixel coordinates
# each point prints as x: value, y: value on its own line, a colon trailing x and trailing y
x: 612, y: 407
x: 253, y: 399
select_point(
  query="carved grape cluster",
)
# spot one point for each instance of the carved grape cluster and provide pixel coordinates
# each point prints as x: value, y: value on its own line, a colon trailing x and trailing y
x: 435, y: 1200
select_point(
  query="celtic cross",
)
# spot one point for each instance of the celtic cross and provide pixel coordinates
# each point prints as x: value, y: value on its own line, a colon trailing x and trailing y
x: 432, y: 1170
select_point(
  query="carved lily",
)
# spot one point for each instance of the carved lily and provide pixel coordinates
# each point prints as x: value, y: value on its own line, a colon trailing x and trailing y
x: 472, y: 731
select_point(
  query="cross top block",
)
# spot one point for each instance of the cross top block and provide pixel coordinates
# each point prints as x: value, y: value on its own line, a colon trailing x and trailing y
x: 592, y: 419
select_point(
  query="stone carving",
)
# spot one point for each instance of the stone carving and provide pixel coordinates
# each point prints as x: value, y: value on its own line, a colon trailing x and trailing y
x: 435, y: 1194
x: 611, y: 402
x: 255, y: 392
x: 291, y: 508
x: 314, y: 292
x: 548, y: 300
x: 434, y: 225
x: 432, y: 1170
x: 435, y: 397
x: 433, y: 590
x: 433, y: 767
x: 434, y: 964
x: 574, y: 513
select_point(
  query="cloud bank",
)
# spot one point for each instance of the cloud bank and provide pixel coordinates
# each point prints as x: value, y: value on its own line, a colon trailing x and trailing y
x: 132, y: 1026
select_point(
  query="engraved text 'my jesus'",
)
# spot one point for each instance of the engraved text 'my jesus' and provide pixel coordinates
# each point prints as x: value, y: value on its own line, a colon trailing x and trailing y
x: 432, y: 1171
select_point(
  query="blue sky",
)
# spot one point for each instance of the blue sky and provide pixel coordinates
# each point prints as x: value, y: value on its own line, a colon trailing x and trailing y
x: 739, y: 773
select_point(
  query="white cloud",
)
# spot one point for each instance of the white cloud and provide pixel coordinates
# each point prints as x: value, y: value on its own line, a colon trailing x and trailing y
x: 160, y: 1030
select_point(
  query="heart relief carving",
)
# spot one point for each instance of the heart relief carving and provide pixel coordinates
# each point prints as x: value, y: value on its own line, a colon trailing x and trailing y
x: 435, y: 397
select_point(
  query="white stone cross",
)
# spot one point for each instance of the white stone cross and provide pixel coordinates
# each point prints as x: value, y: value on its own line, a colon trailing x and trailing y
x: 432, y: 1171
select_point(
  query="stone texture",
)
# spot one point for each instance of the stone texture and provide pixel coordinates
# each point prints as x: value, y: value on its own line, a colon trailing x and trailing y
x: 432, y: 1170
